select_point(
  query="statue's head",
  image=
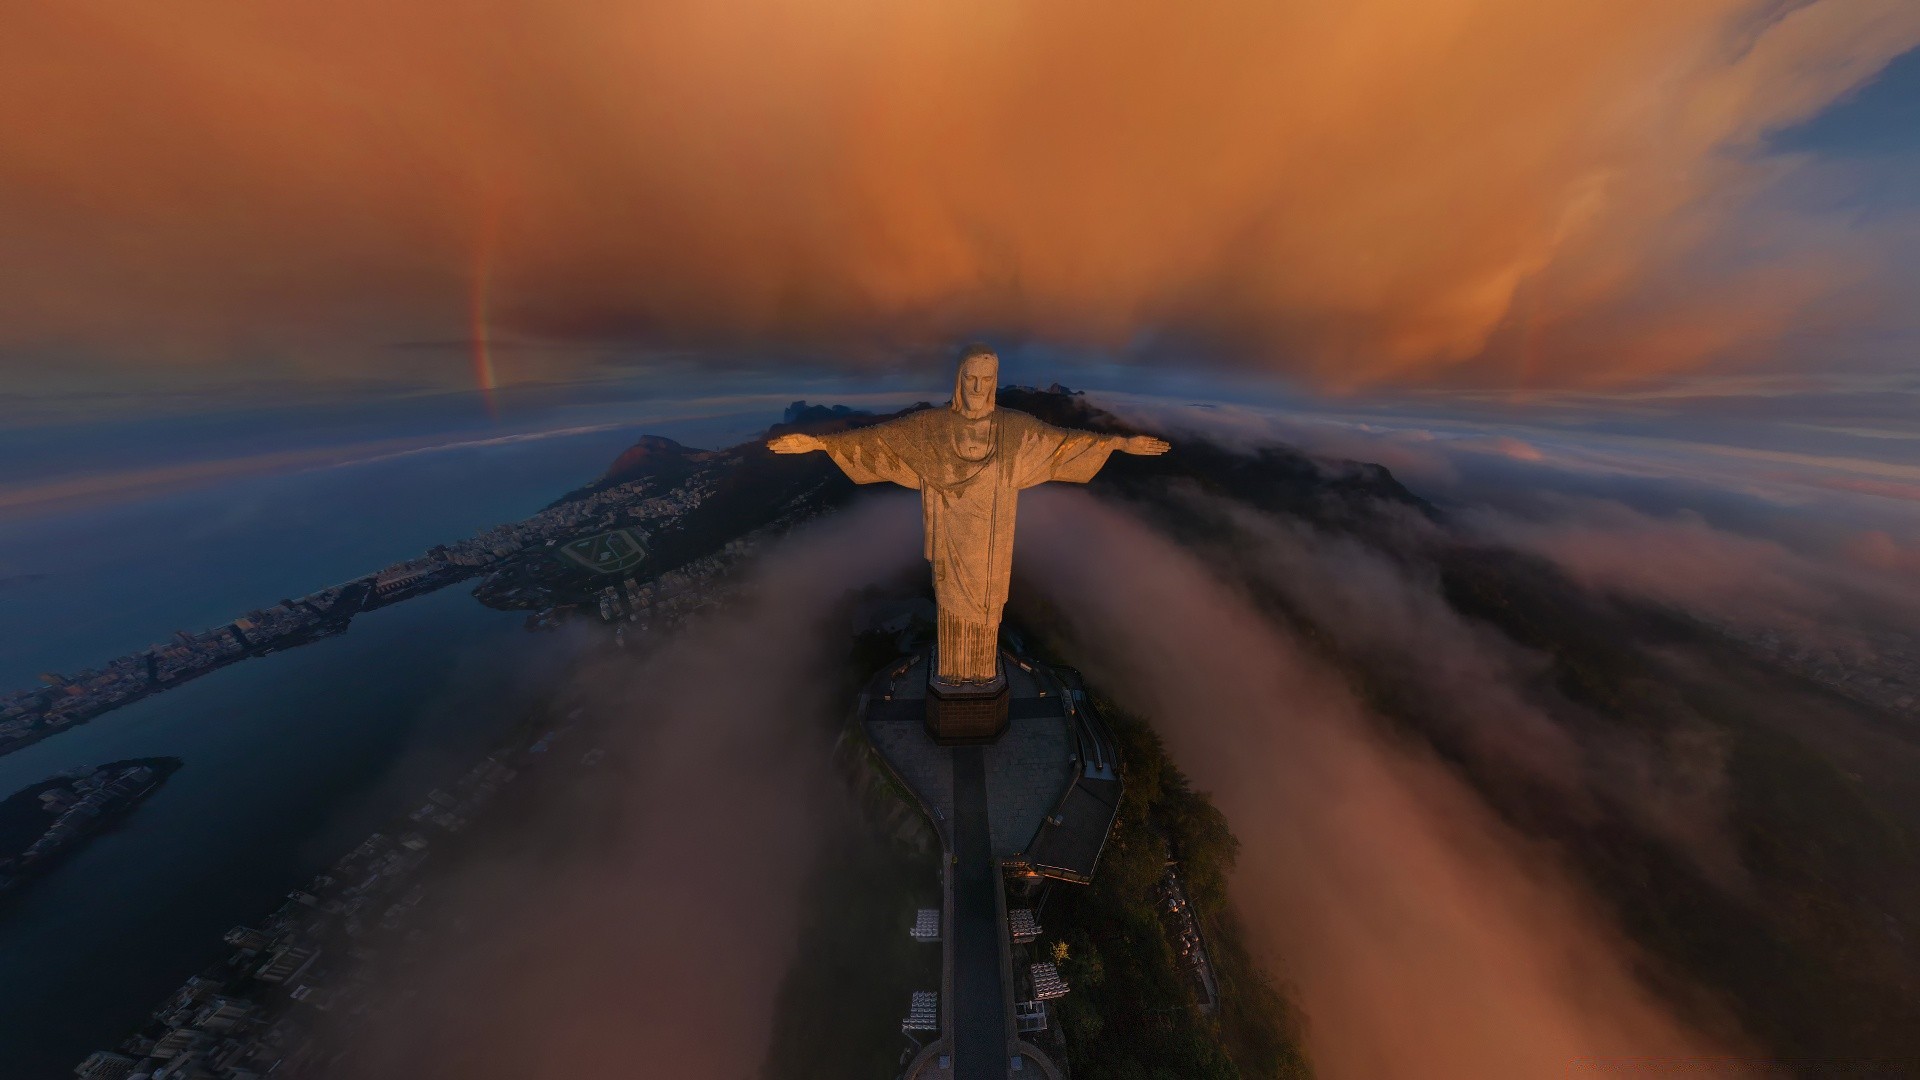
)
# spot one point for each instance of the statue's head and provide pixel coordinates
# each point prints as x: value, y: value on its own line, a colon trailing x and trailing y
x: 973, y: 388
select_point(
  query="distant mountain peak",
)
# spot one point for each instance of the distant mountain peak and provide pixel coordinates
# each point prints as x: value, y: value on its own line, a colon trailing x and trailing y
x: 825, y: 419
x: 645, y: 456
x: 1051, y: 388
x: 800, y: 412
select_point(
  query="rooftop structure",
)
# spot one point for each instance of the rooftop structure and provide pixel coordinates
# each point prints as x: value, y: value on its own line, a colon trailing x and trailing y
x: 102, y: 1065
x: 1021, y: 926
x: 1047, y: 983
x: 926, y: 925
x: 924, y: 1012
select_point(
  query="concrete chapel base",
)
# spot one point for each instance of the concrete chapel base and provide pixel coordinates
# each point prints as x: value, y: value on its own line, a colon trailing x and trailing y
x: 962, y: 714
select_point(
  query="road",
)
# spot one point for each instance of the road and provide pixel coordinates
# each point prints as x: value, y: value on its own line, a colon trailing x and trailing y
x: 980, y: 1025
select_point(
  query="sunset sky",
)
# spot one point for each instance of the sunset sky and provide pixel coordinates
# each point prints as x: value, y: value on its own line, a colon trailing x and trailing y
x: 1485, y: 193
x: 1500, y: 246
x: 251, y: 239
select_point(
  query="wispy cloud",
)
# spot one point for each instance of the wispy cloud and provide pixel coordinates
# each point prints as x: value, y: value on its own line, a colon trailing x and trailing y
x: 95, y: 487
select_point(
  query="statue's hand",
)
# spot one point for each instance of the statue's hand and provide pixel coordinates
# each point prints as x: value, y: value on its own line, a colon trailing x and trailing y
x: 1146, y: 446
x: 795, y: 442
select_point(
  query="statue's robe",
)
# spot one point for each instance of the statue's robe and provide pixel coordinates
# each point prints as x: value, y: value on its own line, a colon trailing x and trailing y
x: 969, y: 474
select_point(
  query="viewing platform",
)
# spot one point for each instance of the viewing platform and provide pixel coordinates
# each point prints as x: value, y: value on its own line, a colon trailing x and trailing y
x: 1036, y: 802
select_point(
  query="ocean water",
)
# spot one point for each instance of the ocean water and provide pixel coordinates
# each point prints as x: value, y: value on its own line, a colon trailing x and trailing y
x: 79, y: 588
x: 290, y: 758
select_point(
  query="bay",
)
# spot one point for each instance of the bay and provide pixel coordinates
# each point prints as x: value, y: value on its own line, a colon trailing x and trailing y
x: 290, y: 760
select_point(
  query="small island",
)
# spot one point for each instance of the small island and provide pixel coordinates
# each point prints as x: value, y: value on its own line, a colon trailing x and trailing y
x: 46, y: 822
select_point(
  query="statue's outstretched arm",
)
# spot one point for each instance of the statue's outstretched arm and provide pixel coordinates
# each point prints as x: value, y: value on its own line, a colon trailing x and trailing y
x: 1142, y: 445
x: 1071, y: 455
x: 868, y: 455
x: 1138, y: 445
x: 795, y: 442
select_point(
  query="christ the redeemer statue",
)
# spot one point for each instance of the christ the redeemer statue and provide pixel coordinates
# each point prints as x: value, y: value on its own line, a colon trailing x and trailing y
x: 969, y: 462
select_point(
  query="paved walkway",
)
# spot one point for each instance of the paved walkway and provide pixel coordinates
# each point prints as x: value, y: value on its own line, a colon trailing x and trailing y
x: 989, y: 803
x: 979, y: 1012
x: 1027, y: 770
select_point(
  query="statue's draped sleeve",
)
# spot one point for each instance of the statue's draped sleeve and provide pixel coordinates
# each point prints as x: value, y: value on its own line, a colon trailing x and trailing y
x: 1043, y: 453
x: 896, y: 451
x: 906, y: 450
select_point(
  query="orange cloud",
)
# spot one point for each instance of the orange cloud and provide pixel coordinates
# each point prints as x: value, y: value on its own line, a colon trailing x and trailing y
x: 1360, y: 191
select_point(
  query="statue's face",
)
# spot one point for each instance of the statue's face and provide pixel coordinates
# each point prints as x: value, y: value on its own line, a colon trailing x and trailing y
x: 977, y: 376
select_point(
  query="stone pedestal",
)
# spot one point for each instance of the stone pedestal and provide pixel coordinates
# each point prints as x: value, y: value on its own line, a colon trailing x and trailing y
x: 959, y: 713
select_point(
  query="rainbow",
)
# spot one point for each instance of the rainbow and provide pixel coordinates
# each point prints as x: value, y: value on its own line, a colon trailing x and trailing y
x: 479, y: 296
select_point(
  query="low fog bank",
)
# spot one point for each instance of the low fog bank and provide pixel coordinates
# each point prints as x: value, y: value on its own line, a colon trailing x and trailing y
x: 1819, y: 550
x: 1420, y: 935
x: 641, y: 921
x: 1488, y: 702
x: 1849, y: 590
x: 1695, y: 693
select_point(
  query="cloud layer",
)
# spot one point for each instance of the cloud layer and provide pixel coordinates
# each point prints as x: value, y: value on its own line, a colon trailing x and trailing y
x: 649, y: 917
x: 1420, y: 935
x: 1382, y: 189
x: 1794, y: 540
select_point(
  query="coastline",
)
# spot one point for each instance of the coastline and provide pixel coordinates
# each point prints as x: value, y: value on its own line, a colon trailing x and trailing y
x: 290, y: 762
x: 663, y: 500
x: 320, y: 624
x: 64, y: 701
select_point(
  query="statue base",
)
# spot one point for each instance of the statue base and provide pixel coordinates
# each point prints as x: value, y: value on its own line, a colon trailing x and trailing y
x: 959, y: 714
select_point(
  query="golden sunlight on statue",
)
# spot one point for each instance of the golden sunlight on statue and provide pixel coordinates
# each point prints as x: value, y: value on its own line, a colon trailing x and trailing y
x: 969, y: 462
